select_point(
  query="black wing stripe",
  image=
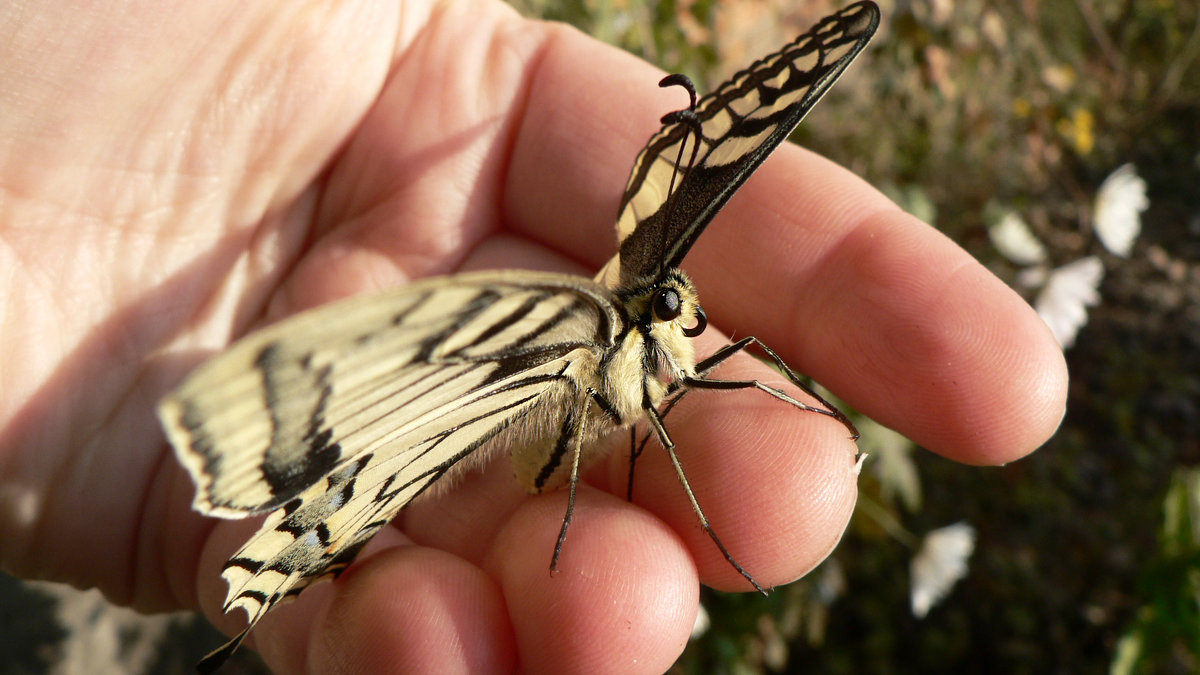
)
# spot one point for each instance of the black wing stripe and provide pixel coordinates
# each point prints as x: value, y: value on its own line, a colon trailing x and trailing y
x: 562, y: 445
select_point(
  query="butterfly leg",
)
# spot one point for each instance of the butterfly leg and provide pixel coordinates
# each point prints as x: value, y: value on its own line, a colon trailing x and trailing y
x: 634, y: 453
x: 580, y: 414
x: 636, y: 449
x: 707, y: 365
x: 680, y: 388
x: 656, y: 422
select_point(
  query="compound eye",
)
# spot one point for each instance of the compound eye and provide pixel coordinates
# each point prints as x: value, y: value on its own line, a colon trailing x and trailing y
x: 666, y: 304
x: 701, y: 323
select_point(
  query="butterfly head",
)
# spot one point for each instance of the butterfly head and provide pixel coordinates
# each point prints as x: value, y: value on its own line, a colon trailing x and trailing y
x: 668, y: 315
x: 672, y: 303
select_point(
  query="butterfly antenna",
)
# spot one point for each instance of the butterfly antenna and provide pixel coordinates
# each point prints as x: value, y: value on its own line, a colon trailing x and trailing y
x: 691, y: 122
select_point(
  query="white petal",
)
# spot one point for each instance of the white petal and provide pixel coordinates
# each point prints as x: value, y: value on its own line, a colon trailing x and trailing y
x: 1119, y: 205
x: 894, y: 464
x: 1033, y: 277
x: 1068, y: 292
x: 1013, y: 238
x: 831, y: 581
x: 939, y: 564
x: 700, y: 627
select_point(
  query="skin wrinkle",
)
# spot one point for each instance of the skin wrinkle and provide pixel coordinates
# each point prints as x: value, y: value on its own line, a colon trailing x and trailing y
x: 130, y: 398
x: 320, y: 154
x: 300, y: 227
x: 299, y: 221
x: 480, y: 210
x: 590, y: 237
x: 494, y: 166
x: 82, y: 474
x: 436, y: 252
x: 83, y: 471
x: 520, y: 132
x: 517, y: 111
x: 56, y: 436
x: 411, y: 19
x: 51, y: 506
x: 181, y: 580
x: 138, y: 570
x: 20, y: 264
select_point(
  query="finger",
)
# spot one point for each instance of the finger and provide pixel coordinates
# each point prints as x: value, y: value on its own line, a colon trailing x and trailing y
x: 462, y: 515
x: 624, y: 598
x: 886, y: 311
x: 413, y: 610
x: 399, y: 608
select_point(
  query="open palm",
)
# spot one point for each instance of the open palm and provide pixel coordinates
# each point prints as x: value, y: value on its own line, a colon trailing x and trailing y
x: 174, y: 174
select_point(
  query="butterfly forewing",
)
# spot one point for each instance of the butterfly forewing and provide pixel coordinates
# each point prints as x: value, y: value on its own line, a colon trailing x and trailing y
x: 338, y: 417
x: 741, y: 122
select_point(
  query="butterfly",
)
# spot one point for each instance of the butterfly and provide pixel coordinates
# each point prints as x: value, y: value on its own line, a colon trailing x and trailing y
x: 331, y: 421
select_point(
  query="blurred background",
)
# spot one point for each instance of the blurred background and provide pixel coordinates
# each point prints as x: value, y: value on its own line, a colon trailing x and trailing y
x: 1059, y: 142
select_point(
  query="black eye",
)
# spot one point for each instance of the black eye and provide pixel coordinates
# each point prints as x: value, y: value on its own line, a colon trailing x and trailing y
x: 701, y: 323
x: 666, y: 304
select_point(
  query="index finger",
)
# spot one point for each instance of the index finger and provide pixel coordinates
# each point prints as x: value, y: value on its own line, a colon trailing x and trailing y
x: 884, y: 310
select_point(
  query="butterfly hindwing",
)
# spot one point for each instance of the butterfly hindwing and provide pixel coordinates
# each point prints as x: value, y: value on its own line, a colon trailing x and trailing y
x: 741, y: 122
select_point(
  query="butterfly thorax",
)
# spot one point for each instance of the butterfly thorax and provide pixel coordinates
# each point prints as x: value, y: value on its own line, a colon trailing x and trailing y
x: 657, y: 350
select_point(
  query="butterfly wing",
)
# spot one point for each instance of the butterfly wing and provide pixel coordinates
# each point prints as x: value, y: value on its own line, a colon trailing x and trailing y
x: 741, y: 122
x: 336, y: 418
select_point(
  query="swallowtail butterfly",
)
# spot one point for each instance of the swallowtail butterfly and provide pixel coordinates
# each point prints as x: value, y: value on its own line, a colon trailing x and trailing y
x: 333, y: 420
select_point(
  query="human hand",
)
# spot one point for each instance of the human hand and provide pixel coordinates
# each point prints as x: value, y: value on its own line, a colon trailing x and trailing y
x: 175, y: 175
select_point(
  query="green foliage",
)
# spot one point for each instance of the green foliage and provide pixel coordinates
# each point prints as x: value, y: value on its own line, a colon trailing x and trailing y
x: 1166, y: 628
